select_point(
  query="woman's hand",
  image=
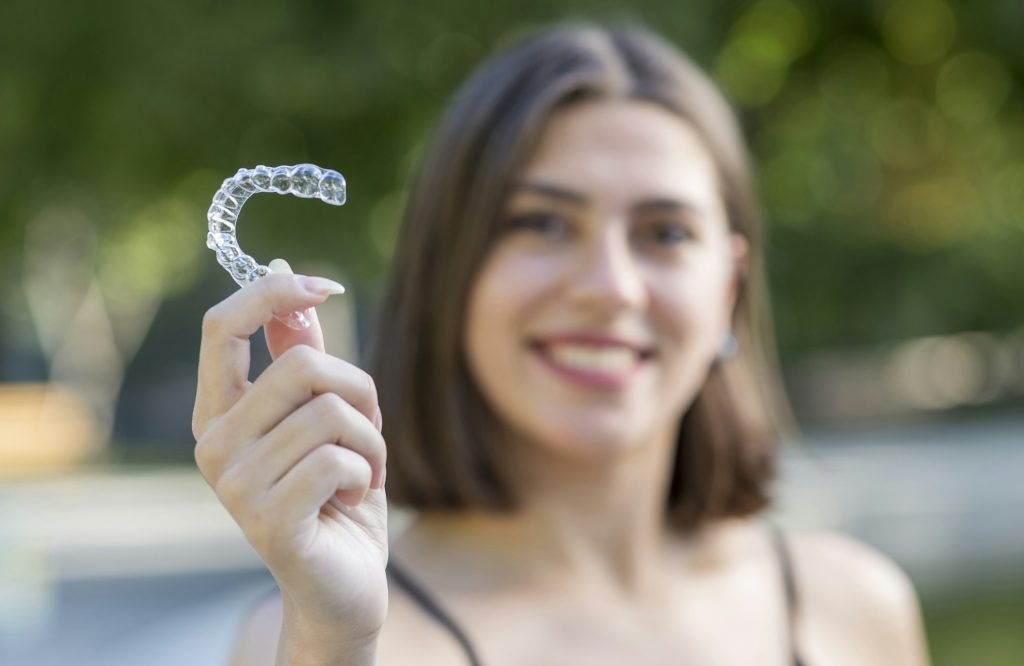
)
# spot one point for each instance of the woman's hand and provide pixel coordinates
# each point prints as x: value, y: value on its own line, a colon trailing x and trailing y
x: 297, y: 457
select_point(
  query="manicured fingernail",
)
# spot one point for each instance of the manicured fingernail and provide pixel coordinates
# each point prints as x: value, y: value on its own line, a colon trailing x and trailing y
x: 279, y: 266
x: 321, y: 286
x: 298, y: 321
x: 378, y: 420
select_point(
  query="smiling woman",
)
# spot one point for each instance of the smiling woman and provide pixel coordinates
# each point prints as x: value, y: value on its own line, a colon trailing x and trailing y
x: 584, y: 462
x: 581, y: 150
x: 600, y: 296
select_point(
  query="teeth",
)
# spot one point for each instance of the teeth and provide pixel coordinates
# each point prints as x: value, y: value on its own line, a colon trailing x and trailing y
x: 592, y: 359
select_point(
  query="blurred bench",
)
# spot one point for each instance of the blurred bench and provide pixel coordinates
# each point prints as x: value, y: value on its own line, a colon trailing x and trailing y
x: 44, y: 427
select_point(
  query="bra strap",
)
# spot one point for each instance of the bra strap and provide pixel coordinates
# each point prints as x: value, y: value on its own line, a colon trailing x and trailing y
x: 432, y: 607
x: 789, y: 585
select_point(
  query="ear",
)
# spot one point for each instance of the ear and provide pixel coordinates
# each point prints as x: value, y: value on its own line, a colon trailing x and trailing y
x: 739, y: 255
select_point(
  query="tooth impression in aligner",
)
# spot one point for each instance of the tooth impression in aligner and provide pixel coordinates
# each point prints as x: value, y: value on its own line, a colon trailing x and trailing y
x: 306, y: 181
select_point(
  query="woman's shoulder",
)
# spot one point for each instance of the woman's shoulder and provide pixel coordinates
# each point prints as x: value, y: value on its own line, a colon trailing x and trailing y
x: 834, y: 567
x: 846, y: 587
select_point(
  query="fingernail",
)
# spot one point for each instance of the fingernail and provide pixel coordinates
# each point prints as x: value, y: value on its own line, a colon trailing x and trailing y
x: 321, y: 286
x: 383, y: 477
x: 378, y: 420
x: 298, y: 321
x: 279, y: 266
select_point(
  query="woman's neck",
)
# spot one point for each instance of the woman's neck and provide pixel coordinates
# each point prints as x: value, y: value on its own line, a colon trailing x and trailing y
x: 599, y: 523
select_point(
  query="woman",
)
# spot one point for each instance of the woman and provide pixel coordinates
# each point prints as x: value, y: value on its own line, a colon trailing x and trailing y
x: 567, y: 412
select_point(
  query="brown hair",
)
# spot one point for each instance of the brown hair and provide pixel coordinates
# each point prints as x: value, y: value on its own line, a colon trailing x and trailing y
x: 439, y: 428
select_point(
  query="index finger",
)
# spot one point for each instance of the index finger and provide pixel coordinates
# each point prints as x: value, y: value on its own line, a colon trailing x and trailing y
x: 224, y: 351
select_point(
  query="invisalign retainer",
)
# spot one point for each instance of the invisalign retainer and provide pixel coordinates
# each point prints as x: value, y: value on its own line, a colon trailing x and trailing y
x: 306, y: 181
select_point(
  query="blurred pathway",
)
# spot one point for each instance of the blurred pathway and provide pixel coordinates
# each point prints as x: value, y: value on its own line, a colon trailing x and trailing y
x: 120, y: 567
x: 945, y: 500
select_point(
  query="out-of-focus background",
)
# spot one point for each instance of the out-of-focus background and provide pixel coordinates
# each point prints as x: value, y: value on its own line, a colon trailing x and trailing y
x: 889, y: 136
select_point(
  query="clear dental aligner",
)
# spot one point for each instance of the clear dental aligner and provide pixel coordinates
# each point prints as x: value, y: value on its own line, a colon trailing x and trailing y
x: 306, y: 181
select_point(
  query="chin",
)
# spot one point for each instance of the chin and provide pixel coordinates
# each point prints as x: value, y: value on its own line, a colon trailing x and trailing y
x: 591, y: 442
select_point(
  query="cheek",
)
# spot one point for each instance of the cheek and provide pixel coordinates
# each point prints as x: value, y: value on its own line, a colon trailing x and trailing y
x: 508, y: 286
x: 690, y: 310
x: 506, y: 290
x: 689, y: 345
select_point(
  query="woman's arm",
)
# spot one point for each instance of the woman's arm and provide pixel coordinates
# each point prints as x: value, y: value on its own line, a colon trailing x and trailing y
x: 265, y: 639
x: 296, y: 457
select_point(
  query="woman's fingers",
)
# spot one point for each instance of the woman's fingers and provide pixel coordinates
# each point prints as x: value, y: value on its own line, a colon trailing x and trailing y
x: 281, y: 338
x: 325, y: 419
x: 326, y: 471
x: 295, y: 379
x: 298, y: 376
x: 322, y: 449
x: 224, y: 351
x: 265, y: 512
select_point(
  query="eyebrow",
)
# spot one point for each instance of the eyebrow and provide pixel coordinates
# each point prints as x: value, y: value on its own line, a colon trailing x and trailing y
x: 657, y: 204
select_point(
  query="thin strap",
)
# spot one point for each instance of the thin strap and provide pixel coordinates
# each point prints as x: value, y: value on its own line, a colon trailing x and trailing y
x: 789, y: 584
x: 433, y: 608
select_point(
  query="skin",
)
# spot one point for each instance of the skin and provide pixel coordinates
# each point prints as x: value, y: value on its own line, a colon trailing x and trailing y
x: 589, y: 547
x: 618, y: 230
x: 297, y: 459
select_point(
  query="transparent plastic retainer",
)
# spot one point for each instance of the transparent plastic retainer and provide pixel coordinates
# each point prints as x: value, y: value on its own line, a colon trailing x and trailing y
x: 306, y: 181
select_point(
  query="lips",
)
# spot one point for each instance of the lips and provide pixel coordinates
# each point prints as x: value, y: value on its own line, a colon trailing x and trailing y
x: 592, y: 360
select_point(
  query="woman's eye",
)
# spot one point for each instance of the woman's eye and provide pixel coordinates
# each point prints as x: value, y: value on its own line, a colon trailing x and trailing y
x: 670, y: 233
x: 542, y: 223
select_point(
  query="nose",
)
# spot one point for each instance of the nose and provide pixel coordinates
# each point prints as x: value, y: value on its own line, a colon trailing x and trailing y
x: 608, y: 276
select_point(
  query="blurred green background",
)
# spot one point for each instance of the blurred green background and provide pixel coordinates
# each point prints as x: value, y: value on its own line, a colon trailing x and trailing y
x: 889, y: 138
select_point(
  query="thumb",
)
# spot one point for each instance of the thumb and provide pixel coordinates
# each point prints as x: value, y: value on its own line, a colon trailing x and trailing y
x: 280, y: 337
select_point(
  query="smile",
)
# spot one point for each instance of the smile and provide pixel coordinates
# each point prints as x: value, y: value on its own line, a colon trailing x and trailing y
x: 597, y: 366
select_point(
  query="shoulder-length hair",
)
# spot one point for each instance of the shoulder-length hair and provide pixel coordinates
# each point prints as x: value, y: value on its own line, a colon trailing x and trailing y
x: 440, y: 431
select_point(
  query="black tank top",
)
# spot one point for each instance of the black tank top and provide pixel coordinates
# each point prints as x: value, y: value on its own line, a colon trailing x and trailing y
x: 433, y: 608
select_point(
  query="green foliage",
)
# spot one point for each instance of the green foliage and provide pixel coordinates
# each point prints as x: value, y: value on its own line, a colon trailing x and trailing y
x: 982, y: 629
x: 888, y: 134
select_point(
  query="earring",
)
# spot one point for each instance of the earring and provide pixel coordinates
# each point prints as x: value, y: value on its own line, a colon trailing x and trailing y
x: 729, y: 347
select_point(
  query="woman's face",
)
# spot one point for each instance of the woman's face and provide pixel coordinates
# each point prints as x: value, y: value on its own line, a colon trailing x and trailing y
x: 597, y: 313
